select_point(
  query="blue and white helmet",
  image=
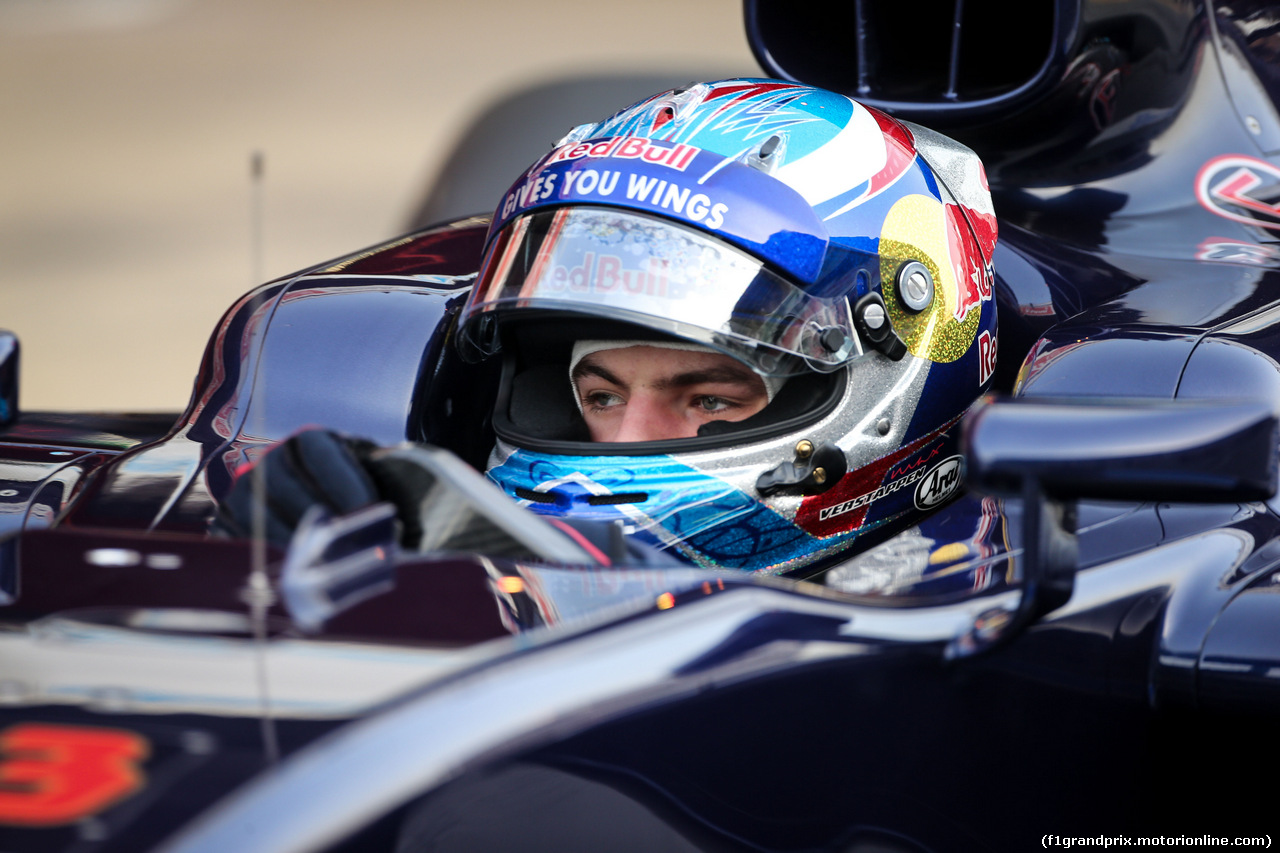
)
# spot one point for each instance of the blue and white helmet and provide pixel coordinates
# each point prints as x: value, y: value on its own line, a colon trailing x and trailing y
x: 792, y: 228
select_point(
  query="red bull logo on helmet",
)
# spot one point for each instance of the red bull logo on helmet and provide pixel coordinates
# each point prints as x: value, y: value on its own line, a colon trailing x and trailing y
x: 969, y: 267
x: 677, y: 156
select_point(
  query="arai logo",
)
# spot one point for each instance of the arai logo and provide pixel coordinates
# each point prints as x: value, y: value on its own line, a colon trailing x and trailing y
x: 940, y: 483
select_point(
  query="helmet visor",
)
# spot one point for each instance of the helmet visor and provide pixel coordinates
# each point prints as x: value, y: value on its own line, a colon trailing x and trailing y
x: 658, y: 274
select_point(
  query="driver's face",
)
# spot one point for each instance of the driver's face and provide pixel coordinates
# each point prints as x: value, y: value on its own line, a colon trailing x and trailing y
x: 651, y: 393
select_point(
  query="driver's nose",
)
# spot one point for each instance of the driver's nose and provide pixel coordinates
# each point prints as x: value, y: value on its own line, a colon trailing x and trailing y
x: 651, y: 417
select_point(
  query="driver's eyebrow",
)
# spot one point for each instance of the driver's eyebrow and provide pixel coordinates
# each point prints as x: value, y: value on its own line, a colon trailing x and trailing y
x: 587, y: 367
x: 721, y: 375
x: 727, y: 374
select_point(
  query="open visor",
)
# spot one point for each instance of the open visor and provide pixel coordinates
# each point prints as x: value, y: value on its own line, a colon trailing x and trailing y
x: 655, y: 273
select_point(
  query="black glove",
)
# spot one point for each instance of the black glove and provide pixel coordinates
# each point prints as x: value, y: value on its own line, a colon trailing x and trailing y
x: 312, y: 467
x: 318, y: 467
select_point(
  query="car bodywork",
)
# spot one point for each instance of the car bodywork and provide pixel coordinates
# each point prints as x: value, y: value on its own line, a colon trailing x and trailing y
x: 1086, y: 643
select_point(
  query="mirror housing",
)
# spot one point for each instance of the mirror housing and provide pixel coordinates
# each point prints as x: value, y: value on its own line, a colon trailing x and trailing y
x: 9, y: 352
x: 1196, y: 451
x: 1054, y: 452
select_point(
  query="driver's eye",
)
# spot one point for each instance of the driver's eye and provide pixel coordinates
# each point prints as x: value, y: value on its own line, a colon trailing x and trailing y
x: 708, y: 403
x: 601, y: 399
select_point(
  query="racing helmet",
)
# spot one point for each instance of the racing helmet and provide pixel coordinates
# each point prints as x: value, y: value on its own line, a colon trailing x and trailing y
x: 840, y: 253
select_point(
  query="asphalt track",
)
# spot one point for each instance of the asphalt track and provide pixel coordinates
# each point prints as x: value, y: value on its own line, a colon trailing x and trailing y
x: 127, y: 128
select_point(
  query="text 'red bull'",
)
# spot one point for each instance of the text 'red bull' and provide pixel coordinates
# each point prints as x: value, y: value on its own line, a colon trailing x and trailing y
x: 608, y: 274
x: 677, y: 156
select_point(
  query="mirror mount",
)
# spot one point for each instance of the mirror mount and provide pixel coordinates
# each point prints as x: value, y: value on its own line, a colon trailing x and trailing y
x: 1049, y: 554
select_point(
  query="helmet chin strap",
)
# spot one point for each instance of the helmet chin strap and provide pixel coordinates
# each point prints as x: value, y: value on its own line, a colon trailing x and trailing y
x: 582, y: 349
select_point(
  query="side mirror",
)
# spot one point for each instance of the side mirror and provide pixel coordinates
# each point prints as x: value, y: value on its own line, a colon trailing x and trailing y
x: 9, y: 352
x: 1054, y: 452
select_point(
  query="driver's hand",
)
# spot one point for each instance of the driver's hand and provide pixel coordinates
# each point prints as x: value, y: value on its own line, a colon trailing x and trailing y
x: 313, y: 467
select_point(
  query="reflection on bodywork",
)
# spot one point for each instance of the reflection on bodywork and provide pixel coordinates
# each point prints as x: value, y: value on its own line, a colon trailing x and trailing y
x: 65, y: 660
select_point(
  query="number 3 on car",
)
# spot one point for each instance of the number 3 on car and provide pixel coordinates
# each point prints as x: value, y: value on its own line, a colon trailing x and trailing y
x: 52, y: 775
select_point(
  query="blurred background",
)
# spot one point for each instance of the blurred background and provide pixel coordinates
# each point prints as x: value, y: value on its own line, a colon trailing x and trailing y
x: 127, y: 129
